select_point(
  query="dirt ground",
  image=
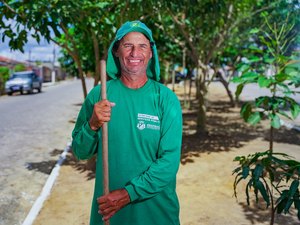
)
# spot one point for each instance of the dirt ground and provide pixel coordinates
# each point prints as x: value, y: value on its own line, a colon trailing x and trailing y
x: 205, y: 180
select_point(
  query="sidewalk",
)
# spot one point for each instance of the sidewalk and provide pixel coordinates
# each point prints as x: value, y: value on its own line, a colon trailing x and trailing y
x: 205, y: 183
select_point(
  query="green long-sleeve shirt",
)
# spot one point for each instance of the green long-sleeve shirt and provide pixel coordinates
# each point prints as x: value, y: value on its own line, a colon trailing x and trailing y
x: 144, y: 141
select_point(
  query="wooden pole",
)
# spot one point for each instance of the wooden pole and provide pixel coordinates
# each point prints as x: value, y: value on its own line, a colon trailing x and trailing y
x: 104, y: 134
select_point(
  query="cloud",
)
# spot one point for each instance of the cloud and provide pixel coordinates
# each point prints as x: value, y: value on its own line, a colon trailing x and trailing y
x: 33, y: 51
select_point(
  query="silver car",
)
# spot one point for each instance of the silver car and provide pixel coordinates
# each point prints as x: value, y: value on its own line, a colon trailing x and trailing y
x: 25, y: 81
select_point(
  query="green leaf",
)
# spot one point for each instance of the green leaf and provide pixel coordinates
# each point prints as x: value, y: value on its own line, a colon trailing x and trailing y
x: 297, y: 203
x: 269, y: 60
x: 260, y: 186
x: 243, y: 67
x: 239, y: 90
x: 258, y: 171
x: 295, y: 110
x: 288, y: 205
x: 236, y: 170
x: 254, y: 118
x: 262, y: 101
x: 281, y: 204
x: 271, y: 174
x: 246, y: 111
x: 275, y: 121
x: 264, y: 81
x: 254, y: 31
x: 248, y: 186
x: 245, y: 172
x: 284, y: 114
x: 281, y: 201
x: 249, y: 77
x: 293, y: 188
x: 281, y: 77
x: 254, y: 59
x: 101, y: 5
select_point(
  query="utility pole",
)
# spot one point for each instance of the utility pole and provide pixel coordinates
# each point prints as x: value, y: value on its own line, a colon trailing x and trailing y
x: 29, y: 58
x: 53, y: 66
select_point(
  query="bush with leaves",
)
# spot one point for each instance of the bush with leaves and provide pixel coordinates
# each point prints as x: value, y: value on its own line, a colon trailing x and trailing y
x: 4, y: 75
x: 274, y: 176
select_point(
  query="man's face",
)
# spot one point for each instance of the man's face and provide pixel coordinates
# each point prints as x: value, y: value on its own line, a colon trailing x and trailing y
x: 134, y: 53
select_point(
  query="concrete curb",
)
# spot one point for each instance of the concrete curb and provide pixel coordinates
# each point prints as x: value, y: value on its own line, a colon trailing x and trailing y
x: 290, y: 125
x: 38, y: 204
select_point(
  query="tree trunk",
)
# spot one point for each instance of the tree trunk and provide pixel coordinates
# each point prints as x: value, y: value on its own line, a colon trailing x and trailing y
x: 226, y: 86
x: 201, y: 96
x: 272, y: 217
x: 167, y: 70
x: 201, y: 116
x: 80, y: 71
x: 173, y: 80
x: 190, y: 91
x: 271, y: 139
x: 97, y: 59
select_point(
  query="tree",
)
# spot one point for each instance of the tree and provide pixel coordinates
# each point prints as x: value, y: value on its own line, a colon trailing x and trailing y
x: 19, y: 67
x: 269, y: 173
x: 202, y: 27
x: 56, y: 21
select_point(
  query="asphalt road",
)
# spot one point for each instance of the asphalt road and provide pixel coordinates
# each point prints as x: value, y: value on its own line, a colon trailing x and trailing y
x: 34, y: 130
x: 252, y: 91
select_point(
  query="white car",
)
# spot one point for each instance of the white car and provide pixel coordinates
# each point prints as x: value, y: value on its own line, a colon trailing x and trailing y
x: 23, y: 81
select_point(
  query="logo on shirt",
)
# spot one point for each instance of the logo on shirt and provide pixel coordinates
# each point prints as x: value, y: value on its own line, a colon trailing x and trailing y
x: 146, y: 121
x: 141, y: 125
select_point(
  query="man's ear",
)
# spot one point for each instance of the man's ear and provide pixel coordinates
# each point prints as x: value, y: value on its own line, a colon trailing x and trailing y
x: 116, y: 54
x: 115, y: 49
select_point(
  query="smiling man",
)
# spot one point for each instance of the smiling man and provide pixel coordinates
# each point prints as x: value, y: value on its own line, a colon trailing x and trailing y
x: 145, y: 132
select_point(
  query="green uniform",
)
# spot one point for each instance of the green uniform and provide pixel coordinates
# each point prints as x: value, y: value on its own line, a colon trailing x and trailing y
x: 144, y: 144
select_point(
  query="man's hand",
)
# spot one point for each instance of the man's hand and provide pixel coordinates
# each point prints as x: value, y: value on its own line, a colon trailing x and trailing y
x: 101, y: 114
x: 111, y: 203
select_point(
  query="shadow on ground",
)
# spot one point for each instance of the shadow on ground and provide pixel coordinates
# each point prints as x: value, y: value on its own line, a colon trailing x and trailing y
x: 225, y: 130
x: 44, y: 166
x: 258, y: 214
x: 83, y: 166
x: 47, y: 166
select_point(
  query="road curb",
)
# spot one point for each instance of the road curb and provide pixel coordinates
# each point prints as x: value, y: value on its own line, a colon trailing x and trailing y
x: 290, y: 125
x: 38, y: 204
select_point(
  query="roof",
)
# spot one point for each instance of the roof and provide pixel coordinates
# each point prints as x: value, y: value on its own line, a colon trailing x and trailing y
x: 5, y: 60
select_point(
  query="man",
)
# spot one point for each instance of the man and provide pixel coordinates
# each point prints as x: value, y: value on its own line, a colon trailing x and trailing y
x: 145, y: 130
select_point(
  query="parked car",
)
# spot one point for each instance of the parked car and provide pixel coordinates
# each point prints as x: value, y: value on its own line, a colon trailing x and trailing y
x: 23, y: 81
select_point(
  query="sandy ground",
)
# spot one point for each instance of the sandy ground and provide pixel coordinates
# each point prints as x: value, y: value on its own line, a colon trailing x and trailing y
x: 205, y: 180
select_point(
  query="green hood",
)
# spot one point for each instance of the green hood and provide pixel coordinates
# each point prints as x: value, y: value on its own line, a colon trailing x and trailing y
x: 113, y: 68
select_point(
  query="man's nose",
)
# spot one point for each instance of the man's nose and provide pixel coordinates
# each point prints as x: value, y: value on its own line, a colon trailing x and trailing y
x: 134, y: 51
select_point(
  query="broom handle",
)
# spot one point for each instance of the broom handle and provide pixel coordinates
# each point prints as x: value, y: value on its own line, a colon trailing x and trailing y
x: 104, y: 134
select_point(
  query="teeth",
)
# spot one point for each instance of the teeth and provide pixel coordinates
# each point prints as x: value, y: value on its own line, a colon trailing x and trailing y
x: 134, y: 61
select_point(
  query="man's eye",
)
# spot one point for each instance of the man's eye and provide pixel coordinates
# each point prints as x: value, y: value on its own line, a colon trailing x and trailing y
x: 127, y: 46
x: 144, y: 46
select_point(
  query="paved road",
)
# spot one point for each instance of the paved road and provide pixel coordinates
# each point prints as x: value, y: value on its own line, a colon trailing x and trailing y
x: 34, y: 129
x: 252, y: 91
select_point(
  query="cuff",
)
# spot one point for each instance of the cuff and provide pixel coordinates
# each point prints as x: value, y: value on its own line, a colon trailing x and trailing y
x: 132, y: 193
x: 88, y: 130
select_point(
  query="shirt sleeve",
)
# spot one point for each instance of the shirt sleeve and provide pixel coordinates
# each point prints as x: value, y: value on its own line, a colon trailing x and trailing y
x: 163, y: 170
x: 84, y: 139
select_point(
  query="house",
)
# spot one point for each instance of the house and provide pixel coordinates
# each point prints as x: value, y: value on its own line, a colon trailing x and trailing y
x: 48, y: 71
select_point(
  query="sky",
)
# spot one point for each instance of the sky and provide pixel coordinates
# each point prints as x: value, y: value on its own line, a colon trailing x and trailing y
x: 32, y: 50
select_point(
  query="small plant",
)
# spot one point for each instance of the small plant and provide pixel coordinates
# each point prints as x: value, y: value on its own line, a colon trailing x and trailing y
x: 274, y: 176
x: 4, y: 75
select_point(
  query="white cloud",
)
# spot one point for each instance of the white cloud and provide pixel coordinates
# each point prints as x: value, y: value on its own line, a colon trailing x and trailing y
x: 32, y: 50
x: 42, y: 51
